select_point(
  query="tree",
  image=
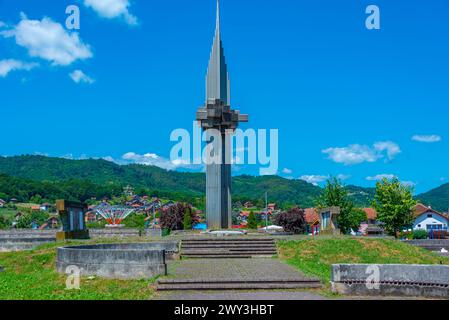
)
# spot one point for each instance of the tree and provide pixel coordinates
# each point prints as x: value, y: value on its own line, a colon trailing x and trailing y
x: 252, y: 222
x: 335, y: 195
x: 173, y: 217
x: 28, y: 219
x: 356, y: 218
x: 187, y: 222
x: 394, y: 204
x: 4, y: 222
x: 292, y: 220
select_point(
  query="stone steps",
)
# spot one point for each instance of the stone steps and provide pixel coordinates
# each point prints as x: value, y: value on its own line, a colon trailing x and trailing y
x: 228, y: 248
x: 235, y: 284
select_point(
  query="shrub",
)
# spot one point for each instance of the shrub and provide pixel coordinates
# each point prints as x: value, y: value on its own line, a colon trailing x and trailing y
x: 187, y: 222
x: 5, y: 223
x: 292, y: 220
x: 420, y: 234
x: 173, y: 217
x: 136, y: 221
x: 252, y: 221
x: 28, y: 219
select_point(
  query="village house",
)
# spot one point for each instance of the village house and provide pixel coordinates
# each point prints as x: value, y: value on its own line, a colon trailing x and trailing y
x: 51, y: 223
x: 45, y: 207
x: 428, y: 219
x: 371, y: 227
x: 2, y: 203
x: 313, y: 221
x: 248, y: 205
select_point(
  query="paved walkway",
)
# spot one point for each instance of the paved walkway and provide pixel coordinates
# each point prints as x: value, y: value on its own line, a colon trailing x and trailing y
x: 242, y: 269
x: 239, y: 295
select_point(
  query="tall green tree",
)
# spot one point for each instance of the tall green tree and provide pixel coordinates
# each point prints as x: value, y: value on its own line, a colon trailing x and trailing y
x: 336, y: 195
x: 252, y: 221
x: 394, y: 204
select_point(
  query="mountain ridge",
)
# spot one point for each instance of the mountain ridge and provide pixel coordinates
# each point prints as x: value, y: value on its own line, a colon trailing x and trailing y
x: 99, y: 172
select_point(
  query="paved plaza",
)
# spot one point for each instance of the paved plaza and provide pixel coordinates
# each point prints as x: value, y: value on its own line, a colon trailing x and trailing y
x: 241, y: 269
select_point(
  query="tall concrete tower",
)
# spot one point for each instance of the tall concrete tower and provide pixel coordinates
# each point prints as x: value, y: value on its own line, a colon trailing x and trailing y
x: 217, y: 114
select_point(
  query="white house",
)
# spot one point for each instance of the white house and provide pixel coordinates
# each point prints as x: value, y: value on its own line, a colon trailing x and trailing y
x: 428, y: 219
x: 2, y: 203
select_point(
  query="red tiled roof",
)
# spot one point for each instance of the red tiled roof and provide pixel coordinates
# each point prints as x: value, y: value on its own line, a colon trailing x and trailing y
x: 370, y: 213
x: 245, y: 213
x: 311, y: 215
x: 421, y: 209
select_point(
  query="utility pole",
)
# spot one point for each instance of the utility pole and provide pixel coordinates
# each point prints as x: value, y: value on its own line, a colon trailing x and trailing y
x: 266, y: 209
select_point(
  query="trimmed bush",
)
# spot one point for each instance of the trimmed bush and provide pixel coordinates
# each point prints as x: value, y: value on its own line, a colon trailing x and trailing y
x: 292, y: 221
x: 420, y: 234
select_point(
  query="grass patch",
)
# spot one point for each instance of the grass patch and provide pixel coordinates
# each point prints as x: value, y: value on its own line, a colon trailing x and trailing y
x: 315, y: 256
x: 31, y: 275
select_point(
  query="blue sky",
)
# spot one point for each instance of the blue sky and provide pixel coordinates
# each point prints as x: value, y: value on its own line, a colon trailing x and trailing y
x: 346, y: 100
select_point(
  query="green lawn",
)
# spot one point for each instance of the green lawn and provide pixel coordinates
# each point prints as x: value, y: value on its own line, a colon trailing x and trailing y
x: 31, y: 275
x: 315, y: 256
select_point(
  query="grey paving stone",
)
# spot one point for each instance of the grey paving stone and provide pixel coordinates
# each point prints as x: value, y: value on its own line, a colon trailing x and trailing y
x: 241, y: 269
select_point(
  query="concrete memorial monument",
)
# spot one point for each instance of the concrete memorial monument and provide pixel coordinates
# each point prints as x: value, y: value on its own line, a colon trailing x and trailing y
x: 217, y: 116
x: 72, y: 217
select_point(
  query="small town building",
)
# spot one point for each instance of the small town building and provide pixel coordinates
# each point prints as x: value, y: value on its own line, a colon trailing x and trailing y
x: 248, y: 205
x: 313, y: 221
x: 45, y: 207
x: 51, y: 223
x: 328, y: 220
x: 428, y: 219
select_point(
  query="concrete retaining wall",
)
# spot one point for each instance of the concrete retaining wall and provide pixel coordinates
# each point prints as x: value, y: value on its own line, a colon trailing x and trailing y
x: 9, y: 244
x: 433, y: 245
x: 117, y: 261
x: 391, y: 280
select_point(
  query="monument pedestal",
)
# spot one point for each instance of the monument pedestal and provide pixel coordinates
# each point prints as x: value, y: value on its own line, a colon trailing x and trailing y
x: 72, y: 235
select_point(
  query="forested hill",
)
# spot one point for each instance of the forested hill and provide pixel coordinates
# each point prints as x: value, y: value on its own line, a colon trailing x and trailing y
x: 54, y: 178
x: 438, y: 198
x: 61, y: 173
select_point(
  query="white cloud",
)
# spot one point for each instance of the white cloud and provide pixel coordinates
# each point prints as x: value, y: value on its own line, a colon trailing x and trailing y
x: 314, y: 179
x: 109, y: 158
x: 48, y: 40
x: 427, y: 139
x: 8, y: 65
x: 287, y: 171
x: 408, y: 183
x: 343, y: 177
x: 79, y: 76
x: 356, y: 153
x: 381, y: 176
x: 112, y: 9
x: 390, y: 147
x: 151, y: 159
x: 2, y: 24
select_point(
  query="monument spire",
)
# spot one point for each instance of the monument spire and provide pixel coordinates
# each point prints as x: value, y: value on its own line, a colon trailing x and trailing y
x: 217, y: 80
